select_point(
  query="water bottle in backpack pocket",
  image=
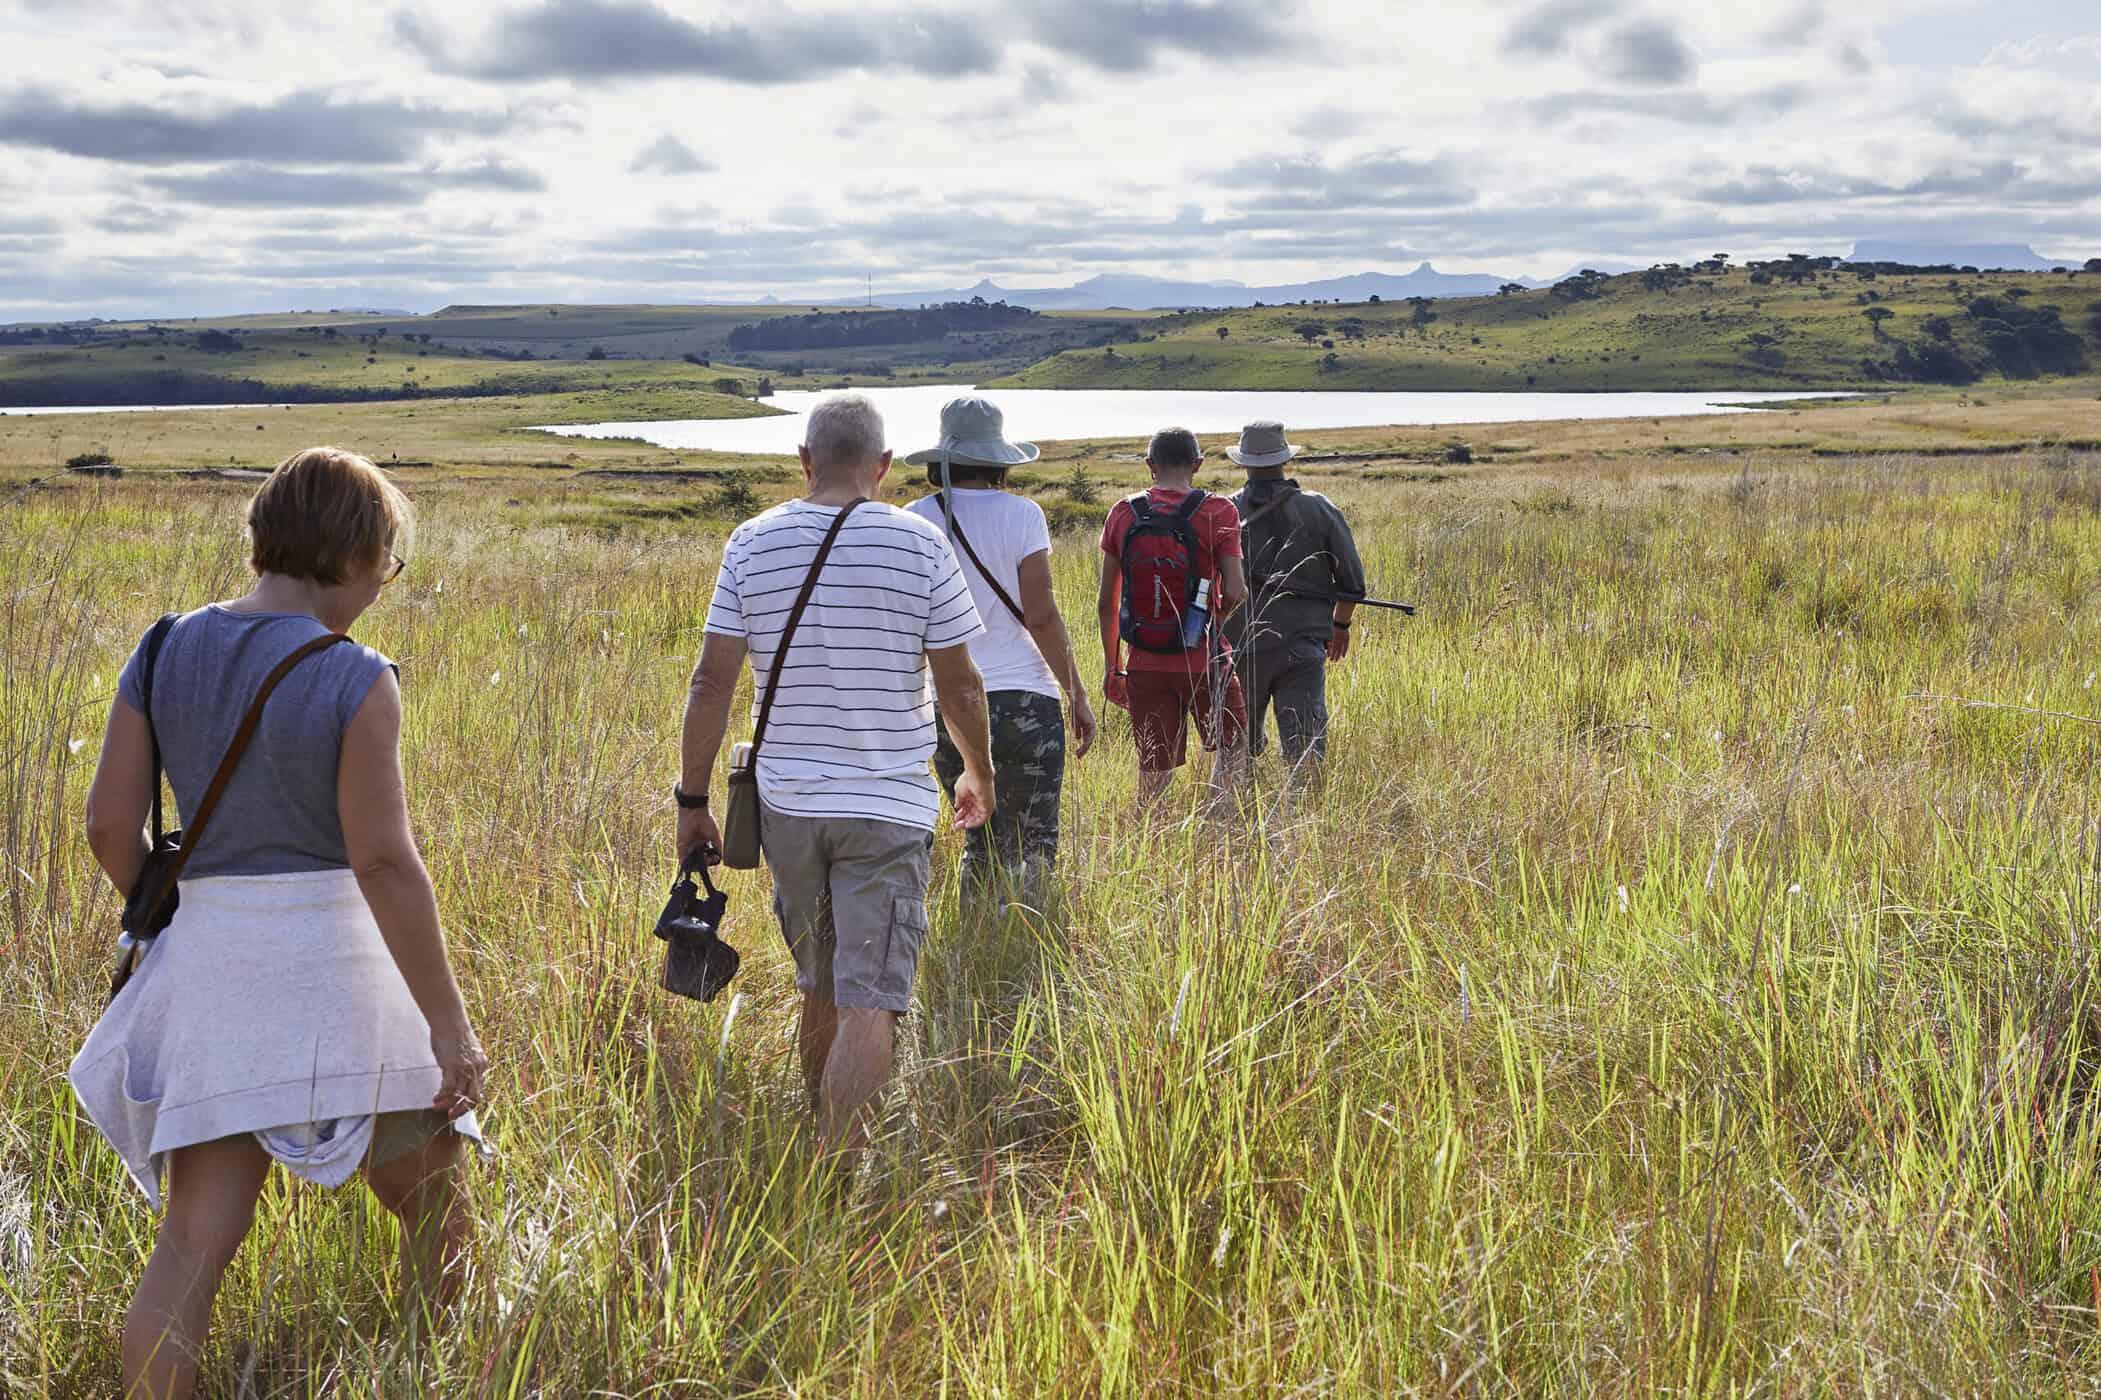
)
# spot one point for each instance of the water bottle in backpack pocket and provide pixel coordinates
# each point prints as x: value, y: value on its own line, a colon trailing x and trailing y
x: 1165, y: 600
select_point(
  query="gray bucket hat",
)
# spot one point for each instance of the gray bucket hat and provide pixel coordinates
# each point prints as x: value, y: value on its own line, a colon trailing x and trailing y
x: 1262, y: 445
x: 974, y: 433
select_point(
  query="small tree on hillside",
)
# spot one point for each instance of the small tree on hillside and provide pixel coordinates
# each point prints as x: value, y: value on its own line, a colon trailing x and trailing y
x: 1309, y: 331
x: 1876, y: 316
x: 1224, y: 331
x: 2093, y: 264
x: 1510, y: 289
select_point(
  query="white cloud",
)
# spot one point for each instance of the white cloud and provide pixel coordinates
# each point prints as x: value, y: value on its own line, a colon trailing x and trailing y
x: 217, y: 154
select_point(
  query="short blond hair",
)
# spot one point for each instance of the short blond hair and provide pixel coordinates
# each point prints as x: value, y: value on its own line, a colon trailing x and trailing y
x: 324, y: 513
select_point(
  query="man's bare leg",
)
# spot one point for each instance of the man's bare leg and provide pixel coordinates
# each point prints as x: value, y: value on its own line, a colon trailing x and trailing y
x: 863, y: 1052
x: 1228, y: 776
x: 820, y: 1023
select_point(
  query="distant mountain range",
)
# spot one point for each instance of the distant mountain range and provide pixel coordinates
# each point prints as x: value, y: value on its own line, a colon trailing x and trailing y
x: 1131, y: 292
x: 1985, y: 257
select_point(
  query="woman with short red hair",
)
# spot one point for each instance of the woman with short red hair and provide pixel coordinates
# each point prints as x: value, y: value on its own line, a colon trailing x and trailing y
x: 300, y: 1006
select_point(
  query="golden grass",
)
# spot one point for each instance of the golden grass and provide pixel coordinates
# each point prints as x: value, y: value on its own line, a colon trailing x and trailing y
x: 1660, y: 994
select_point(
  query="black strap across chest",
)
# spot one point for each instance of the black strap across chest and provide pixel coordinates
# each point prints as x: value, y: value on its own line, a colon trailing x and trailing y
x: 802, y: 601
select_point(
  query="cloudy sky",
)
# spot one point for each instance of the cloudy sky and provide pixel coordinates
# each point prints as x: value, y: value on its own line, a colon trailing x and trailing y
x: 180, y: 156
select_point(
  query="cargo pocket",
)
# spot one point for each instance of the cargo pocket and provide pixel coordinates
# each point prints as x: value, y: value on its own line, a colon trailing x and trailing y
x: 901, y: 953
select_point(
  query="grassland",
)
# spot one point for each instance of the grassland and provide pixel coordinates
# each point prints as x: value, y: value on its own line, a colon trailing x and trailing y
x: 1677, y: 986
x: 1698, y: 335
x: 488, y: 442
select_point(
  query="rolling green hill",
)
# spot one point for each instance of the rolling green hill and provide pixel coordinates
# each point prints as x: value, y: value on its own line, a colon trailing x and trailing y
x: 1638, y: 331
x: 486, y: 350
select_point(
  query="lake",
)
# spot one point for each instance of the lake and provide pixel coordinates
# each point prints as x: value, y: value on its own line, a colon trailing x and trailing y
x: 1045, y: 415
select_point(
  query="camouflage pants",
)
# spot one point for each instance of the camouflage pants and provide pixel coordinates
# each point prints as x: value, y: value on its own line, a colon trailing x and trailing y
x: 1020, y: 843
x: 1292, y: 675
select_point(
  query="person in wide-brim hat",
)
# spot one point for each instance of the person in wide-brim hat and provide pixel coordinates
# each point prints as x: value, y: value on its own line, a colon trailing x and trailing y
x: 1262, y: 444
x: 974, y: 434
x: 1024, y: 654
x: 1306, y: 576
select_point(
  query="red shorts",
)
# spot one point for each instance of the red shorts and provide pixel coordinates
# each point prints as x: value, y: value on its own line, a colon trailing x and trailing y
x: 1161, y: 703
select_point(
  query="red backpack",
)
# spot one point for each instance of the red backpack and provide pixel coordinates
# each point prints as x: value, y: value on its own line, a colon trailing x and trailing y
x: 1159, y: 574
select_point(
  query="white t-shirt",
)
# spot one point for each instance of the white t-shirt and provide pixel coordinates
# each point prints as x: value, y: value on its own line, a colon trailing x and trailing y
x: 1004, y: 529
x: 853, y: 729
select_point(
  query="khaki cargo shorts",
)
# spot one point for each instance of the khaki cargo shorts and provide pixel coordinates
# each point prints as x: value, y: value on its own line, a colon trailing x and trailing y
x: 850, y: 893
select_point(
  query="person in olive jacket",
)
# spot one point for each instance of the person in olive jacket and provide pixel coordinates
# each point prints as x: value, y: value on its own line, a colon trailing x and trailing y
x: 1304, y: 579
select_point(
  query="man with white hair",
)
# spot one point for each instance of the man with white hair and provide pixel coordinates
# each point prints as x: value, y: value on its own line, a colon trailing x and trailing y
x: 847, y: 727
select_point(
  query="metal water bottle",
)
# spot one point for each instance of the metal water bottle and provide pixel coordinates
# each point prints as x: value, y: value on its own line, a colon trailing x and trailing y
x: 1194, y: 620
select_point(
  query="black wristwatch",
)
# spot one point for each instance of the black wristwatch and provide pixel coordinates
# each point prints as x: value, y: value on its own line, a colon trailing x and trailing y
x: 1340, y: 623
x: 687, y: 800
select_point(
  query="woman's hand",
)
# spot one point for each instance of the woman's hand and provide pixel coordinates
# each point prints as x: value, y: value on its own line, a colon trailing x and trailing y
x: 464, y: 1067
x: 974, y: 799
x: 1083, y: 725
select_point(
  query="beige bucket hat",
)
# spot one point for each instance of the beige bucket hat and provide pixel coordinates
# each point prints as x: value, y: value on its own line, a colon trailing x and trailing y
x: 1262, y: 445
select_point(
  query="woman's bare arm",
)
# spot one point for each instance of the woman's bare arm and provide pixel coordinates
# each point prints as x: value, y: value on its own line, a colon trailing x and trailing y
x: 1046, y: 627
x: 372, y: 804
x: 121, y: 796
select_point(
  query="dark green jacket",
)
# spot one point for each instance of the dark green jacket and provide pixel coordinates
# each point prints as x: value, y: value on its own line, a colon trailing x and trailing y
x: 1293, y: 541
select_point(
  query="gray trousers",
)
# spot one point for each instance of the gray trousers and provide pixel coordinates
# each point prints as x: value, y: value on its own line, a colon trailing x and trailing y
x: 1291, y: 675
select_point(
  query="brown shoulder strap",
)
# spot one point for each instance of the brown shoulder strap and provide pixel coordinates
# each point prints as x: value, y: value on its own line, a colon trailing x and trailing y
x: 241, y: 739
x: 955, y: 527
x: 802, y: 600
x: 1279, y: 499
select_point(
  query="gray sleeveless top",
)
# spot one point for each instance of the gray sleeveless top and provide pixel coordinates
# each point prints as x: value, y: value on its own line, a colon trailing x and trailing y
x: 278, y: 816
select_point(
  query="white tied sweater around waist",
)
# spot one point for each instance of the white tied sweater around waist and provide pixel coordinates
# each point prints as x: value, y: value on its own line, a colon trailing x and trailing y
x: 269, y: 1006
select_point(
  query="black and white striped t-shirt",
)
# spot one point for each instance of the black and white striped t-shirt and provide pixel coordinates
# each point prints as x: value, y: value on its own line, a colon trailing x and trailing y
x: 853, y: 728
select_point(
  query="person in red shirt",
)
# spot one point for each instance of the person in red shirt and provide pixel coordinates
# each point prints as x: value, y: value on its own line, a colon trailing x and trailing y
x: 1162, y: 690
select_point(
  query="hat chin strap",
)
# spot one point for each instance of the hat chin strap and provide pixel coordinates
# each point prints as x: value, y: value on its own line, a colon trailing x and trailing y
x: 948, y: 485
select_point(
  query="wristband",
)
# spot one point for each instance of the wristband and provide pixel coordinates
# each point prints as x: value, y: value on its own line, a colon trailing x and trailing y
x: 687, y: 800
x: 1340, y: 623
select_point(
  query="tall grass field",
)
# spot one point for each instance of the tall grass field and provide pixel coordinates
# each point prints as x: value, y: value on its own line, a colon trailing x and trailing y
x: 1685, y: 980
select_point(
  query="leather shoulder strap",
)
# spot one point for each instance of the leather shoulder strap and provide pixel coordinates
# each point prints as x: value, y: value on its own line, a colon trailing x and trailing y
x: 1289, y: 493
x: 955, y: 526
x: 802, y: 601
x: 241, y: 739
x: 149, y: 662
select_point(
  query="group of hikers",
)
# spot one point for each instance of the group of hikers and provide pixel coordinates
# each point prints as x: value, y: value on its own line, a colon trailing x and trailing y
x: 295, y: 1002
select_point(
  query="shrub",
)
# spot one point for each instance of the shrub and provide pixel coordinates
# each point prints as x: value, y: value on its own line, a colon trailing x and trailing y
x: 735, y: 498
x: 1080, y: 488
x: 597, y: 353
x: 90, y: 459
